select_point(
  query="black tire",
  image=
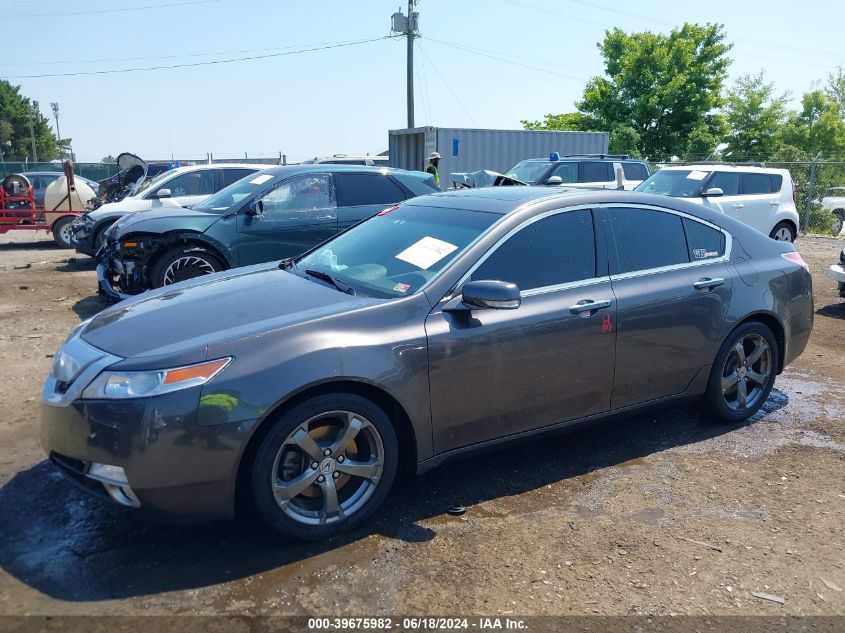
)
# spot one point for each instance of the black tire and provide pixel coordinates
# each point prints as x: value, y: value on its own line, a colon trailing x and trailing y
x: 781, y: 230
x: 839, y: 220
x: 305, y: 514
x: 198, y: 262
x: 61, y: 232
x: 725, y: 402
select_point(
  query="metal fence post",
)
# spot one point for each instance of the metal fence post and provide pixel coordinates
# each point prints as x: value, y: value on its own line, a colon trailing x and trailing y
x: 808, y: 212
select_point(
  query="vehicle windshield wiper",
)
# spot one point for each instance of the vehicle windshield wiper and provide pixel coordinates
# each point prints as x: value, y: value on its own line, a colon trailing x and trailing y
x: 340, y: 285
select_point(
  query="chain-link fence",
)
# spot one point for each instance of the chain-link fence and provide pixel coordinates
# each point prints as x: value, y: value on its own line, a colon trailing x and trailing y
x: 92, y: 171
x: 819, y: 191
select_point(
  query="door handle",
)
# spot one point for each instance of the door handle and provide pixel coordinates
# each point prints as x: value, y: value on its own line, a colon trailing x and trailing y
x: 738, y: 205
x: 708, y: 283
x: 588, y: 305
x: 774, y: 203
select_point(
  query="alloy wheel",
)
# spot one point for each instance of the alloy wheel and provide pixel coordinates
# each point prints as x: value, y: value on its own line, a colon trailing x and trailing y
x: 747, y: 372
x: 328, y: 468
x: 783, y: 234
x: 67, y: 234
x: 187, y: 267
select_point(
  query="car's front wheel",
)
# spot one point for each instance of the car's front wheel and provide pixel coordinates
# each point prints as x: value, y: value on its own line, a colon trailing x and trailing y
x: 183, y: 263
x: 744, y: 372
x: 783, y: 232
x: 325, y: 466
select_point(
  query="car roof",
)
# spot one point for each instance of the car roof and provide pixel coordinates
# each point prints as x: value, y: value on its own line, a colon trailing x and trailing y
x: 50, y: 173
x: 506, y: 200
x: 718, y: 167
x: 597, y: 157
x: 290, y: 170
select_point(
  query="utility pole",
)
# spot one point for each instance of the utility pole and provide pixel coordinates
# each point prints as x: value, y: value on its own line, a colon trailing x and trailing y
x: 409, y: 26
x: 32, y: 110
x: 55, y: 107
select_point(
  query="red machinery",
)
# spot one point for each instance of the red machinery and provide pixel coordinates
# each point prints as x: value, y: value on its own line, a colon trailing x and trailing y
x: 18, y: 211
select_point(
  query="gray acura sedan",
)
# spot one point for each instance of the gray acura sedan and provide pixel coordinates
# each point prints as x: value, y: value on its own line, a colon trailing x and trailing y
x: 444, y: 325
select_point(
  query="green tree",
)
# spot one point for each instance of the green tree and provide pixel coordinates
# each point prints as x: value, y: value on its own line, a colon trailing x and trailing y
x: 623, y: 138
x: 15, y: 112
x: 818, y: 128
x: 108, y: 160
x: 835, y: 88
x: 754, y: 116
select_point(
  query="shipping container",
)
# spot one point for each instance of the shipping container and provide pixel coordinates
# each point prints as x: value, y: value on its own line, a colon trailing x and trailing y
x: 464, y: 150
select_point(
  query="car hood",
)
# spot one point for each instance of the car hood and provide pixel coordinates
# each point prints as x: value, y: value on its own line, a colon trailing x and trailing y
x: 192, y: 315
x: 160, y: 221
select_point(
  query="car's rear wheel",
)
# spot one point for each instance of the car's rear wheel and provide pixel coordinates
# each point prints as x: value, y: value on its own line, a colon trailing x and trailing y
x: 838, y: 220
x: 783, y: 232
x: 325, y: 466
x: 744, y: 372
x: 183, y: 263
x: 62, y: 233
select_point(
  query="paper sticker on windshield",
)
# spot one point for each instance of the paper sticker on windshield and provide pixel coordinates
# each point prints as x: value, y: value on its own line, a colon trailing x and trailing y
x: 696, y: 175
x: 426, y: 252
x: 400, y: 287
x: 260, y: 180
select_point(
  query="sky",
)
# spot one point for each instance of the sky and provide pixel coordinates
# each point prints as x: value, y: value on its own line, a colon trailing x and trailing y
x: 479, y: 63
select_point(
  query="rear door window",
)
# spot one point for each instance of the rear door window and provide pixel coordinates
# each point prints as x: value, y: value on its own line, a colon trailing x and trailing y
x: 232, y: 175
x: 367, y: 189
x: 754, y: 184
x: 703, y: 242
x: 728, y: 183
x: 555, y: 250
x: 647, y: 238
x: 595, y: 171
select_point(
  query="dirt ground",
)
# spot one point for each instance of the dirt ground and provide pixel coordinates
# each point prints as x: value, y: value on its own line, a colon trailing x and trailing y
x: 665, y: 513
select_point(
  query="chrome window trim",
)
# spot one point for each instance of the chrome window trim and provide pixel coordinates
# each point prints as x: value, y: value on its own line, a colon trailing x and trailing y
x: 530, y: 291
x: 533, y: 292
x: 660, y: 269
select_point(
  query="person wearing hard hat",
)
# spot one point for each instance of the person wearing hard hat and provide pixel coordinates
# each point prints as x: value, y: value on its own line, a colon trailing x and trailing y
x: 431, y: 167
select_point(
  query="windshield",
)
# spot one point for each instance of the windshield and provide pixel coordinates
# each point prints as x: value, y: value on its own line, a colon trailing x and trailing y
x: 234, y: 194
x: 530, y: 171
x: 678, y: 183
x: 153, y: 181
x: 396, y: 252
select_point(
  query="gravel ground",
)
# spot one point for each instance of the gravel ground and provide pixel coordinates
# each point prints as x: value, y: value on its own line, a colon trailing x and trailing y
x: 663, y: 513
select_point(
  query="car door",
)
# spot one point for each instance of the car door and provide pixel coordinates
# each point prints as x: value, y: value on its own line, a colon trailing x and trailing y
x: 297, y: 214
x: 499, y: 372
x: 760, y: 199
x: 362, y: 195
x: 672, y: 285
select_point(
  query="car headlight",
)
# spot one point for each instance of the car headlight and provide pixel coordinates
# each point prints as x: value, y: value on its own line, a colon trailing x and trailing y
x: 143, y: 384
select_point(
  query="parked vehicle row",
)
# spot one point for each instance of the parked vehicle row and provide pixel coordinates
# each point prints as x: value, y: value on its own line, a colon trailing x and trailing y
x: 442, y: 325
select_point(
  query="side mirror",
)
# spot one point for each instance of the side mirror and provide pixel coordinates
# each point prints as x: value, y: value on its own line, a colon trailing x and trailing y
x: 490, y: 295
x: 713, y: 192
x: 554, y: 180
x: 162, y: 193
x: 256, y: 207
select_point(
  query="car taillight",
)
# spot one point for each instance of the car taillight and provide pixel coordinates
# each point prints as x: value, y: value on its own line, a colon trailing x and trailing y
x: 796, y: 258
x: 794, y: 191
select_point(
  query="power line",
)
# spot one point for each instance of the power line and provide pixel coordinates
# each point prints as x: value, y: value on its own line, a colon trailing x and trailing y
x: 505, y: 60
x: 446, y: 83
x: 98, y: 11
x: 152, y: 57
x: 206, y: 63
x: 426, y: 99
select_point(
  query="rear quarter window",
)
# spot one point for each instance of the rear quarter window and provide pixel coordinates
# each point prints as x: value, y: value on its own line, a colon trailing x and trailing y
x: 635, y: 171
x: 703, y: 242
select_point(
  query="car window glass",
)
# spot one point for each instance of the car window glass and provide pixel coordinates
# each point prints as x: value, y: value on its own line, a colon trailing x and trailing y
x: 728, y: 183
x: 234, y: 175
x: 309, y: 196
x: 194, y: 183
x: 647, y: 239
x: 634, y: 171
x: 756, y: 184
x: 595, y: 171
x: 555, y: 250
x: 703, y: 242
x: 567, y: 171
x: 777, y: 181
x: 363, y: 189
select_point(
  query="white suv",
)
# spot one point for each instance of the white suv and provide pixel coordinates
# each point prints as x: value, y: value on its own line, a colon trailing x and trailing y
x: 834, y: 200
x: 760, y: 197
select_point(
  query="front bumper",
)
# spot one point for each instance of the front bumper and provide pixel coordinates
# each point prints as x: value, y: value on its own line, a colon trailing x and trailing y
x: 105, y: 288
x: 175, y: 468
x: 83, y: 233
x: 837, y: 273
